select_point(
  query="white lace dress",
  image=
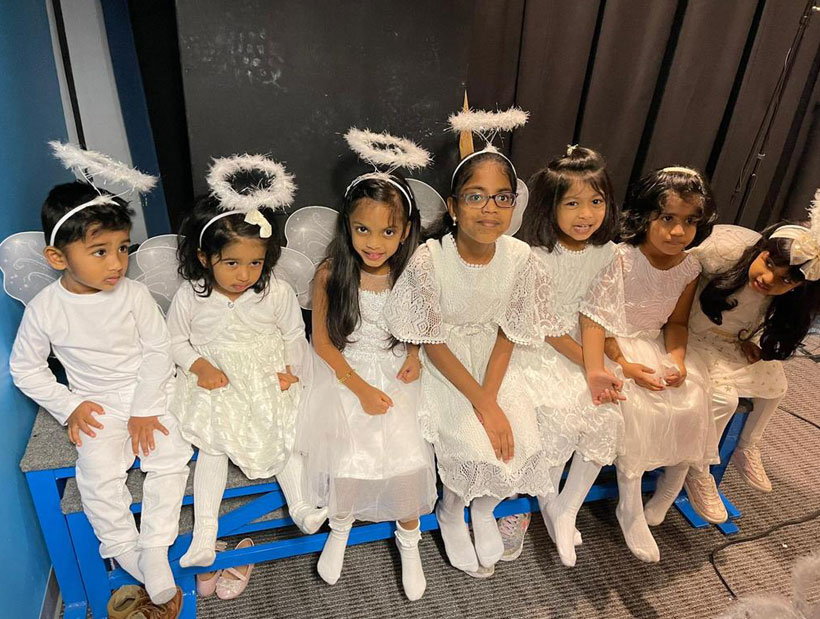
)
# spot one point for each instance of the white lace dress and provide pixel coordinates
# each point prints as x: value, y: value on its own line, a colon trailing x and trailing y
x: 585, y: 282
x: 441, y: 299
x: 673, y: 426
x: 719, y: 345
x: 374, y: 467
x: 251, y: 420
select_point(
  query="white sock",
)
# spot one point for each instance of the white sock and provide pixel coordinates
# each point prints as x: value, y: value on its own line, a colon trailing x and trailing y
x: 632, y: 520
x: 304, y: 516
x: 210, y: 476
x: 561, y: 512
x: 543, y: 501
x: 412, y: 574
x: 333, y: 554
x: 129, y: 561
x: 488, y: 543
x: 667, y: 490
x: 455, y: 533
x: 159, y: 580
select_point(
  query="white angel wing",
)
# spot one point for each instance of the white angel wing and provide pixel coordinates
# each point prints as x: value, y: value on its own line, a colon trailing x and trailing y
x: 155, y: 265
x: 429, y: 202
x: 25, y: 270
x: 296, y: 269
x: 163, y: 240
x: 309, y: 231
x: 520, y: 207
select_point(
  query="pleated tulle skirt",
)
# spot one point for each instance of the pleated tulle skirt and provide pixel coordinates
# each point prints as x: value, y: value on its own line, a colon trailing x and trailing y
x: 374, y: 467
x: 668, y: 427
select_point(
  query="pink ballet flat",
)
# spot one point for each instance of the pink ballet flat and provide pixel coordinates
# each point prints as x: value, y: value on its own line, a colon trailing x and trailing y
x: 233, y: 580
x: 206, y: 583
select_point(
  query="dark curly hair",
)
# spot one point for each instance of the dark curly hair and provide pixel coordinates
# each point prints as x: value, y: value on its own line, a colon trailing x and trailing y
x: 788, y: 317
x: 548, y: 187
x: 217, y: 236
x: 646, y: 198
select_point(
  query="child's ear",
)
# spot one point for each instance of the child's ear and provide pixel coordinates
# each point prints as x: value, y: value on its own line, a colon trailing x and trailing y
x: 55, y: 258
x: 451, y: 207
x: 203, y: 259
x: 406, y: 232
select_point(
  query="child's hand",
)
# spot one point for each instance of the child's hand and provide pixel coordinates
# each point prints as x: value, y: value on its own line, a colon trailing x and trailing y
x: 675, y: 377
x: 374, y: 401
x: 498, y: 429
x: 751, y: 351
x: 286, y: 379
x: 643, y: 376
x: 141, y: 431
x: 82, y: 420
x: 208, y: 377
x: 410, y: 369
x: 604, y: 387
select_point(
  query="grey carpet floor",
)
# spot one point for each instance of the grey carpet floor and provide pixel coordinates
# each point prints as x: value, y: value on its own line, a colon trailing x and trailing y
x: 608, y: 582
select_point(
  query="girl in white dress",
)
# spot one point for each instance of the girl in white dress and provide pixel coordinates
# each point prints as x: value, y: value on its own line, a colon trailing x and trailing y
x: 666, y: 416
x: 238, y: 338
x: 367, y: 382
x: 467, y: 297
x: 755, y: 305
x: 569, y: 224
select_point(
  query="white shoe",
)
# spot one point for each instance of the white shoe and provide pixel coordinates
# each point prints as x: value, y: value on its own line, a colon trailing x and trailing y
x: 750, y: 466
x: 513, y: 529
x: 705, y: 499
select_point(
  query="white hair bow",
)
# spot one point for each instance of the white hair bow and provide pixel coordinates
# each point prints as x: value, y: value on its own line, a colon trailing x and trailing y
x: 805, y: 249
x: 256, y: 218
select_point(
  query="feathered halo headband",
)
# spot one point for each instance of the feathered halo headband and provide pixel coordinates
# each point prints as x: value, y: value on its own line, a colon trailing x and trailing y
x: 274, y: 191
x: 805, y: 247
x: 96, y: 169
x: 487, y: 125
x: 383, y: 149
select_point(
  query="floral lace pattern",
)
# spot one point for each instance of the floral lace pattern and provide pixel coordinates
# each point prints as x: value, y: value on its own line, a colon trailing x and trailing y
x: 440, y: 299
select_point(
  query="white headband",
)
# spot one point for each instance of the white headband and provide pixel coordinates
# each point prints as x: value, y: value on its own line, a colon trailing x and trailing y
x: 804, y: 250
x: 101, y: 199
x: 383, y: 176
x: 488, y: 149
x: 254, y: 217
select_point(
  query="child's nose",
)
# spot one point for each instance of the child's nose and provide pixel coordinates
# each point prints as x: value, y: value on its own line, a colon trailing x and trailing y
x: 677, y: 230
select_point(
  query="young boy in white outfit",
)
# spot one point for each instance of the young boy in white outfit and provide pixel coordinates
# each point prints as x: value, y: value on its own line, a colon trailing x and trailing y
x: 111, y: 338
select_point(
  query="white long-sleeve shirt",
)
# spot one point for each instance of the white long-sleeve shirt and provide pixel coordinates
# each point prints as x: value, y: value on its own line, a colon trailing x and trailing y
x: 194, y: 320
x: 114, y: 346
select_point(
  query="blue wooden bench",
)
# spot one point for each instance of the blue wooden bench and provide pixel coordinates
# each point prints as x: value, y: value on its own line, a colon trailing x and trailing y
x: 86, y: 580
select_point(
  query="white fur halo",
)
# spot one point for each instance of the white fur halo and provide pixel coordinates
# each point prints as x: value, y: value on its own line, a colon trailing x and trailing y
x: 277, y: 193
x: 383, y: 149
x: 483, y: 122
x: 94, y: 167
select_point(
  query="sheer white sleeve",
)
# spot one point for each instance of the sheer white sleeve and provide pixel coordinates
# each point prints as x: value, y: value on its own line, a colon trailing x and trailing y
x: 157, y: 367
x: 413, y: 309
x: 530, y: 314
x: 604, y: 300
x: 179, y: 325
x: 723, y: 248
x: 29, y: 369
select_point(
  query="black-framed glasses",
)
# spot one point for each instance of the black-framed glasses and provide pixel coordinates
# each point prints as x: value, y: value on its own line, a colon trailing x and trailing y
x: 478, y: 200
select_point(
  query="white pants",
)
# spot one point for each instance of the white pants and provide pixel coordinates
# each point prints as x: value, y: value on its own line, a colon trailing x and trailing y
x: 102, y: 468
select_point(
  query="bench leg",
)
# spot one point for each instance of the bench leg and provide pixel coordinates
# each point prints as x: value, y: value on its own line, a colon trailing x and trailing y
x: 188, y: 586
x: 92, y: 566
x: 46, y: 497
